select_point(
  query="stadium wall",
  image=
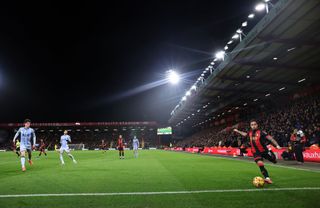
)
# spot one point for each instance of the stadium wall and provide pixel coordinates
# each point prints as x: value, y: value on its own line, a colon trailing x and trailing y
x: 309, y: 155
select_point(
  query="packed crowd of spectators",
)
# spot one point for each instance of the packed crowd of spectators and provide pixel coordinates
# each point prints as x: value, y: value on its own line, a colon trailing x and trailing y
x: 280, y: 121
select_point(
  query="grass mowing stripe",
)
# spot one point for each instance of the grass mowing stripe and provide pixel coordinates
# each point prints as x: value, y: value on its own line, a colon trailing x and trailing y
x: 161, y: 193
x: 274, y: 165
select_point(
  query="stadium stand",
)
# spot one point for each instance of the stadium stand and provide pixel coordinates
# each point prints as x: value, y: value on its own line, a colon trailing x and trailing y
x: 279, y: 121
x: 89, y: 134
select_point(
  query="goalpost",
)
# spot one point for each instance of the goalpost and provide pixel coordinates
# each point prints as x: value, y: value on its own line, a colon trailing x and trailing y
x: 76, y: 146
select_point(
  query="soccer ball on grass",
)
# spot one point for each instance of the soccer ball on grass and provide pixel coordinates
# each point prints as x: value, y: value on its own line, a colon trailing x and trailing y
x: 258, y: 182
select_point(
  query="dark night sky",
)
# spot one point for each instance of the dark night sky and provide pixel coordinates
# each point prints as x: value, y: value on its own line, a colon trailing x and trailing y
x: 76, y: 62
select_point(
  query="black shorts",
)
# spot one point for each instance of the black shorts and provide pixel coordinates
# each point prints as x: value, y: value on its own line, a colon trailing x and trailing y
x: 120, y: 148
x: 18, y: 149
x: 269, y: 155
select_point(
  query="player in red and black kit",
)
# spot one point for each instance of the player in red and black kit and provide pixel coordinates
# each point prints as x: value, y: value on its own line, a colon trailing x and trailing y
x: 42, y: 148
x: 103, y: 146
x: 258, y: 140
x: 121, y: 147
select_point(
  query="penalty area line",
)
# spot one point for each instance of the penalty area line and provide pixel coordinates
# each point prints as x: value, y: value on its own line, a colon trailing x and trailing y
x: 161, y: 193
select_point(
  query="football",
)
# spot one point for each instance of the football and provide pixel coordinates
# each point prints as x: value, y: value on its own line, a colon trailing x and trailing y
x: 258, y: 182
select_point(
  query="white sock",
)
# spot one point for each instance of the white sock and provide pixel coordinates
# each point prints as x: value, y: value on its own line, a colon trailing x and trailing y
x: 61, y: 158
x: 23, y: 161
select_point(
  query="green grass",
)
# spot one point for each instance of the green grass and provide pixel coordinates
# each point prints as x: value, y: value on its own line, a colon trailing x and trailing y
x: 152, y: 171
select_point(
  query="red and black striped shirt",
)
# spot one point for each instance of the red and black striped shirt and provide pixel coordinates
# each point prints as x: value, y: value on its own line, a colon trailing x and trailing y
x: 258, y: 141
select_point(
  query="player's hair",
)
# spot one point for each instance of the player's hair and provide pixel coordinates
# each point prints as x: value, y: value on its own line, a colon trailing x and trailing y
x: 253, y: 120
x: 26, y: 120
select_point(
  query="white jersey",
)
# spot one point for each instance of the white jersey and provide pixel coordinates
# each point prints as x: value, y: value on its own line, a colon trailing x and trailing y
x: 135, y: 143
x: 64, y: 141
x: 26, y: 134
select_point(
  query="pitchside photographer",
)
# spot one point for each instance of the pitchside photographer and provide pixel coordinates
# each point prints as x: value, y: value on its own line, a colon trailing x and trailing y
x: 298, y: 140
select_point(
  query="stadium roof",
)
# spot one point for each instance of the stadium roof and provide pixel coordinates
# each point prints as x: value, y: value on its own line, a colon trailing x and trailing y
x: 280, y: 54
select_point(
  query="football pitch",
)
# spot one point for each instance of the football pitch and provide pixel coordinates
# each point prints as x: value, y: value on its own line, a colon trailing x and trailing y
x: 156, y: 179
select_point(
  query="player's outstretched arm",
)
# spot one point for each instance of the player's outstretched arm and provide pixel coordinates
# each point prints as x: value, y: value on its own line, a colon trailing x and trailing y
x: 34, y: 138
x: 240, y: 132
x: 273, y: 141
x: 16, y: 136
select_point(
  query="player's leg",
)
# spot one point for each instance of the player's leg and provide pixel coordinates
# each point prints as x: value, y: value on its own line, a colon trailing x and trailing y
x: 71, y: 156
x: 298, y: 153
x: 23, y: 157
x: 44, y: 152
x: 135, y: 151
x: 270, y: 156
x: 29, y: 156
x: 18, y: 152
x: 40, y: 153
x: 61, y: 155
x: 122, y: 153
x: 259, y: 161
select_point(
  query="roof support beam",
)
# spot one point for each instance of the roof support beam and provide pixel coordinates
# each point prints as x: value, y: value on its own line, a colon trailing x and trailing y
x: 234, y: 90
x: 277, y: 66
x: 290, y: 41
x: 254, y: 80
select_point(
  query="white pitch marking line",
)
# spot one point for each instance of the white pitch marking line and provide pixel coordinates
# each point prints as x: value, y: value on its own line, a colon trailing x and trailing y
x: 161, y: 193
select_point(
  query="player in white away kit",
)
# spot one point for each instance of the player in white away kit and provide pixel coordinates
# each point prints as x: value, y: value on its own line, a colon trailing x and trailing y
x: 135, y: 144
x: 26, y: 134
x: 65, y: 138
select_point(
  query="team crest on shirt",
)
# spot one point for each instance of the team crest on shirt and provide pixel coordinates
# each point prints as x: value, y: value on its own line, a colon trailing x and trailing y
x: 254, y: 137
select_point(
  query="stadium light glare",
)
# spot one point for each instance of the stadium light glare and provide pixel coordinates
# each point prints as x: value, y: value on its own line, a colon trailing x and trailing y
x: 239, y: 31
x: 188, y: 93
x: 194, y: 87
x: 244, y: 24
x: 267, y: 95
x: 226, y: 48
x: 173, y: 77
x: 235, y: 36
x: 260, y: 7
x: 229, y: 42
x: 220, y: 55
x: 251, y: 16
x: 245, y: 104
x: 212, y: 63
x: 282, y: 88
x: 255, y: 100
x: 291, y: 49
x: 275, y: 58
x: 302, y: 80
x: 184, y: 98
